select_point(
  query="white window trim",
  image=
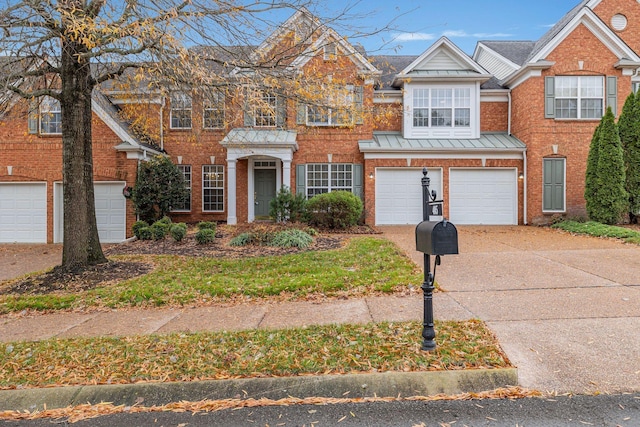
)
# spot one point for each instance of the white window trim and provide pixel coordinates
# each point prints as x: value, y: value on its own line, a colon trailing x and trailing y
x: 579, y: 97
x: 266, y: 108
x: 446, y: 132
x: 189, y: 187
x: 182, y: 108
x: 564, y: 187
x: 221, y: 187
x: 329, y: 186
x: 43, y: 112
x: 349, y: 103
x: 214, y: 105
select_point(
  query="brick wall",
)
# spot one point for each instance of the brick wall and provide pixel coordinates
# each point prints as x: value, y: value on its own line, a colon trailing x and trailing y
x: 39, y: 158
x: 572, y: 137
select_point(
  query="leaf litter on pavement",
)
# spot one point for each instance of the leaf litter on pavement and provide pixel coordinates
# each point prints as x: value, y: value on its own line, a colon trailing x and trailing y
x: 318, y: 350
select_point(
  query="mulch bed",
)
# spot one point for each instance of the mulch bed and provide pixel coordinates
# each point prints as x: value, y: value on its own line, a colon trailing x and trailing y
x: 116, y: 270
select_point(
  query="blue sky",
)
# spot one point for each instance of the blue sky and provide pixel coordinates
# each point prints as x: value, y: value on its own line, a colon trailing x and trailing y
x: 419, y: 23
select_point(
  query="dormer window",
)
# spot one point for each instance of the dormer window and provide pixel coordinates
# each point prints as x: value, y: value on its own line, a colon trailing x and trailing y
x: 441, y: 107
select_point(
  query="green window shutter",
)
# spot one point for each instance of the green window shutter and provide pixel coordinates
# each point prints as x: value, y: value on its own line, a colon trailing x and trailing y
x: 358, y: 179
x: 301, y: 114
x: 358, y: 96
x: 248, y: 114
x: 549, y: 97
x: 612, y: 94
x: 281, y: 112
x: 553, y: 187
x: 301, y: 179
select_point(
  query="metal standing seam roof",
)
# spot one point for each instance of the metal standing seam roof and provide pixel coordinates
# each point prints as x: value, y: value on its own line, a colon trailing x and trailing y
x: 260, y: 137
x: 394, y: 141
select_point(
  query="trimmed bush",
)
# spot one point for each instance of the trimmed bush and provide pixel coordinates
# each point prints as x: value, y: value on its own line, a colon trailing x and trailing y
x: 165, y: 220
x: 338, y: 209
x: 137, y: 226
x: 178, y: 231
x: 205, y: 236
x: 145, y: 233
x: 293, y: 238
x: 242, y: 239
x: 159, y: 230
x: 207, y: 225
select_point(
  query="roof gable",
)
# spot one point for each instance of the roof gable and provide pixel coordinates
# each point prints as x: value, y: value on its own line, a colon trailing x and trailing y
x: 443, y: 55
x: 582, y: 16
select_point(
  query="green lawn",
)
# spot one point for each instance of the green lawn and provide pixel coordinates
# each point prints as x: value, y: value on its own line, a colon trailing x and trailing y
x: 366, y: 265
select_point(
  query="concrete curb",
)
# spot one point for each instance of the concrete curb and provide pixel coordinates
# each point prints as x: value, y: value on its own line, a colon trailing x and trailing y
x: 387, y: 384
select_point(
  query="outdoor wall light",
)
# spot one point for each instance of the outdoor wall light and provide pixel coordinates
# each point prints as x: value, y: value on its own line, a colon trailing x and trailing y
x: 371, y: 175
x: 521, y: 175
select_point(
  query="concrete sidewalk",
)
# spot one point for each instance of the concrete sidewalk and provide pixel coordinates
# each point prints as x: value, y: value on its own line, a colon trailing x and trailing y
x: 22, y: 327
x: 566, y: 309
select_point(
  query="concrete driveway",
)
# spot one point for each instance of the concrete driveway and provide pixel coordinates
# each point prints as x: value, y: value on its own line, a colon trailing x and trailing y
x: 566, y: 309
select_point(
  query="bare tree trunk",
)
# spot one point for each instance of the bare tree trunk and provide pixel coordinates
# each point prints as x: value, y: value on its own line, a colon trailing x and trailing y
x: 81, y: 243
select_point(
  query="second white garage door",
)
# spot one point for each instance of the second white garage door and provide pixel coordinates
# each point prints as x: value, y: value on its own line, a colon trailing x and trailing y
x: 399, y: 194
x: 110, y: 212
x: 483, y: 196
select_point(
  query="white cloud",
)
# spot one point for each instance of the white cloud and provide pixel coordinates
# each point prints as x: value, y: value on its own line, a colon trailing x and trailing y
x: 411, y: 37
x: 462, y: 33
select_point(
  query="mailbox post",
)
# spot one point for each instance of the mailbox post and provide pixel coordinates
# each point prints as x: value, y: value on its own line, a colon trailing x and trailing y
x: 432, y: 238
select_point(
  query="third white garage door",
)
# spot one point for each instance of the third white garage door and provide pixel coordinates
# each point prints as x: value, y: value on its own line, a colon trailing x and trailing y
x: 483, y: 196
x: 399, y: 194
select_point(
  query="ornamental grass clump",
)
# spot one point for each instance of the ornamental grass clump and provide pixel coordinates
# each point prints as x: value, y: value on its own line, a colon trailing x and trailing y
x: 292, y: 238
x: 242, y: 239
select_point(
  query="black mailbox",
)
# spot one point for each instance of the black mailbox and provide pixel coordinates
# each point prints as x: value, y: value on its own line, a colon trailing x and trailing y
x: 437, y: 238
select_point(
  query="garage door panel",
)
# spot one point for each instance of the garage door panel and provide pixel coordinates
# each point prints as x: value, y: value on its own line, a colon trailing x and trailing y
x: 110, y: 209
x: 483, y: 196
x: 399, y: 194
x: 23, y: 212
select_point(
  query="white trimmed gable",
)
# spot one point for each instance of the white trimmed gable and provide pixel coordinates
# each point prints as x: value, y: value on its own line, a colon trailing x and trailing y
x: 599, y: 29
x: 443, y: 55
x: 497, y: 64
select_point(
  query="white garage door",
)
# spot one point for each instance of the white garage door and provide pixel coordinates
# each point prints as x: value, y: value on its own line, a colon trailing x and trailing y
x: 399, y: 194
x: 110, y: 212
x: 23, y: 213
x: 483, y: 196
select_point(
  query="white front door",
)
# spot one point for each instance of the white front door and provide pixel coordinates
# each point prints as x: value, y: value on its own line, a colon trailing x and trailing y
x: 23, y: 212
x: 483, y: 196
x: 399, y: 194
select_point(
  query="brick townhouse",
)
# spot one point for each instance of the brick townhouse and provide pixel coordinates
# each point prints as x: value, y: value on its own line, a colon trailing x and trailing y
x: 504, y: 133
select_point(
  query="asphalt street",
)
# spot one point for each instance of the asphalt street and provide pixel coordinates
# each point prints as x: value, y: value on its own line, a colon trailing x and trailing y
x: 562, y: 411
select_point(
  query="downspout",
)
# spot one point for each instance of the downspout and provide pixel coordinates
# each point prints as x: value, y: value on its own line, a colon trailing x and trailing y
x: 162, y: 124
x: 509, y: 114
x: 524, y: 201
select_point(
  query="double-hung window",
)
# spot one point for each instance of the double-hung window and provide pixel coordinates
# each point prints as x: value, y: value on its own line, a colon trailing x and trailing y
x: 213, y: 188
x: 213, y: 110
x: 265, y: 111
x: 185, y: 206
x: 180, y: 110
x: 324, y: 178
x: 579, y: 97
x: 50, y: 116
x: 441, y: 107
x: 334, y: 109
